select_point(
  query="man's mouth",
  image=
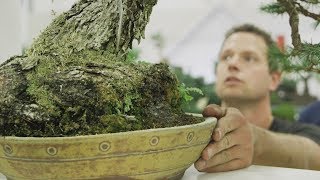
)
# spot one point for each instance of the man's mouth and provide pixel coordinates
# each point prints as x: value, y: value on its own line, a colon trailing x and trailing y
x: 232, y: 80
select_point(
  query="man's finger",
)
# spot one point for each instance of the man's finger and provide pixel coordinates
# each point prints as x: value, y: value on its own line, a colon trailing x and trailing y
x: 214, y: 110
x: 229, y: 166
x: 220, y: 158
x: 233, y: 120
x: 216, y: 147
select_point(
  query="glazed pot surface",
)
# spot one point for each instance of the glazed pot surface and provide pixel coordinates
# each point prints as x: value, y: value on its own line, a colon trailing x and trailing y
x: 146, y: 154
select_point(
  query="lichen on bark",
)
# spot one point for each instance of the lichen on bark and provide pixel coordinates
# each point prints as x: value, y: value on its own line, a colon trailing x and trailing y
x: 75, y: 78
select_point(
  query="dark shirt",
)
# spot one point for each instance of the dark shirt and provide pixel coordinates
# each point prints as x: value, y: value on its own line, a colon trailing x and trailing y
x: 297, y: 128
x: 311, y: 114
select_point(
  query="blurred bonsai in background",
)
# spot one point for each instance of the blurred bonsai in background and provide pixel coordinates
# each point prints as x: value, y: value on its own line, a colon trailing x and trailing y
x: 302, y: 58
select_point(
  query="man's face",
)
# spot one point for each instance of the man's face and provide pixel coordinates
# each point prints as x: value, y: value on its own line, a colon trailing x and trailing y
x: 242, y: 72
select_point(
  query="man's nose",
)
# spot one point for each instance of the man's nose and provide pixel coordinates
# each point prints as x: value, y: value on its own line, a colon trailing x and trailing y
x: 234, y: 62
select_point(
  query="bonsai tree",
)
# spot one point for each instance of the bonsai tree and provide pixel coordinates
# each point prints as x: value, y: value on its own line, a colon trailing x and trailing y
x: 76, y: 79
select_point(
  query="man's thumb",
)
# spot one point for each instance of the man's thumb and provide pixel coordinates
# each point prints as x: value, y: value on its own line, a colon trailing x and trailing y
x: 214, y: 110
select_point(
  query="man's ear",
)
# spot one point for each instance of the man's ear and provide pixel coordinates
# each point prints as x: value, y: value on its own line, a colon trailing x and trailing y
x: 275, y: 80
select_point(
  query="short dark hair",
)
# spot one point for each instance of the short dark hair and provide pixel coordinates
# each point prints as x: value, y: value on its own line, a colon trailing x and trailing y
x: 273, y: 64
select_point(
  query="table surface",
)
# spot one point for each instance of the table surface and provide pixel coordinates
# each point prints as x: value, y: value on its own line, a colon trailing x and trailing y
x: 254, y: 173
x: 251, y: 173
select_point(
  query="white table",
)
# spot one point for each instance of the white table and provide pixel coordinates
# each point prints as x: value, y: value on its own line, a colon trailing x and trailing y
x: 251, y: 173
x: 254, y: 173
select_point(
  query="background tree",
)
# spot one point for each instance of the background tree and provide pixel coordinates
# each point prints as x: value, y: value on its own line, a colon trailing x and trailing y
x: 303, y: 56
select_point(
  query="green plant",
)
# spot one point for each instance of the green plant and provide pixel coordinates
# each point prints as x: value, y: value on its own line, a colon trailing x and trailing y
x: 284, y: 111
x: 208, y: 94
x: 185, y: 92
x: 133, y: 55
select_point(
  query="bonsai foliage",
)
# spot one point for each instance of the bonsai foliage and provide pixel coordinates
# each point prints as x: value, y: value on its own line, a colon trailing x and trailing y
x: 77, y: 79
x: 303, y: 56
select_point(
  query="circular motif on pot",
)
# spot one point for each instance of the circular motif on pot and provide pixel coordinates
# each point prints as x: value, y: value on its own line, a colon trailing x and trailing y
x: 52, y: 151
x: 190, y: 136
x: 7, y: 149
x: 154, y: 140
x: 104, y: 146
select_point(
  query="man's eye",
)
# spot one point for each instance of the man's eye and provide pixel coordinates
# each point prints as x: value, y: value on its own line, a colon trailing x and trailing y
x: 226, y: 57
x: 249, y: 58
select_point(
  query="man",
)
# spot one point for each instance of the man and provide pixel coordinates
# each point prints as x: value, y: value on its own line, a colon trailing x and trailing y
x: 246, y: 132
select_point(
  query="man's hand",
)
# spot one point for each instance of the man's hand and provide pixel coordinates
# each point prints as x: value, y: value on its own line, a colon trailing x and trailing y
x: 232, y: 144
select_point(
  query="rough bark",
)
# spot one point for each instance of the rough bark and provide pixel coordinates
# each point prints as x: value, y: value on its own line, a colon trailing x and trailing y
x: 75, y: 79
x: 293, y: 21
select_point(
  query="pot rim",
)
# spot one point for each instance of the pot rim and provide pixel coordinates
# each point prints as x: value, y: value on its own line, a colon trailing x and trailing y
x: 207, y: 121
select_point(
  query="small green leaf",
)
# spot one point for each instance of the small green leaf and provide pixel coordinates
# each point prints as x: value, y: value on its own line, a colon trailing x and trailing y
x: 273, y: 8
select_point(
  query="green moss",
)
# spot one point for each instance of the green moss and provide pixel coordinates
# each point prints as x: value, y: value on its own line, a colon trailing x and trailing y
x: 116, y: 123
